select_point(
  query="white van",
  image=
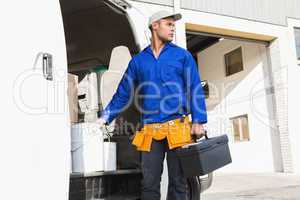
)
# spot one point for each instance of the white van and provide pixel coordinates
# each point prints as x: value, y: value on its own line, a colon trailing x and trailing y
x: 40, y: 40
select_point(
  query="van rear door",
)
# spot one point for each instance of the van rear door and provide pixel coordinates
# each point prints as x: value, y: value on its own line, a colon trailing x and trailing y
x: 35, y: 134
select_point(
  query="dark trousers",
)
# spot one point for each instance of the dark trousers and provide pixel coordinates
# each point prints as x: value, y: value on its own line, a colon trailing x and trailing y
x: 152, y: 168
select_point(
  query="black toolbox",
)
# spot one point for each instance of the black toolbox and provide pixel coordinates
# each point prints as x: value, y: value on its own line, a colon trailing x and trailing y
x: 204, y: 156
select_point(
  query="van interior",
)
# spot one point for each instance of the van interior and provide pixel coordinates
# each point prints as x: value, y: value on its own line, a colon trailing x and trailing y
x: 92, y: 30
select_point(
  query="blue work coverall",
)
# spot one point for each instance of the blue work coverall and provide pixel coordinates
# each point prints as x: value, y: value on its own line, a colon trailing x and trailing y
x: 170, y: 86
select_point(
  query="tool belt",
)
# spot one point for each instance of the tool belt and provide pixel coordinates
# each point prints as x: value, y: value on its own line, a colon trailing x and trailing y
x: 177, y: 132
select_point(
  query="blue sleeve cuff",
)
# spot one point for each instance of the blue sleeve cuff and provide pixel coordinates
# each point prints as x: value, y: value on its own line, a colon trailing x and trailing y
x: 199, y: 121
x: 105, y: 115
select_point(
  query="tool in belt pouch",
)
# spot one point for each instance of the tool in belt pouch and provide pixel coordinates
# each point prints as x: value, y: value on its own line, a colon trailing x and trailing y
x: 204, y: 156
x: 177, y: 132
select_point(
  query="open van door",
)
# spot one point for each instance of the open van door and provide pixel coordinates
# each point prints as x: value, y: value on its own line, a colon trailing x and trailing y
x: 35, y: 134
x: 136, y: 19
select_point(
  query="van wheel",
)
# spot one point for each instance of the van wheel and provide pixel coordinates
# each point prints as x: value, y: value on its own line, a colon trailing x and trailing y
x: 194, y: 188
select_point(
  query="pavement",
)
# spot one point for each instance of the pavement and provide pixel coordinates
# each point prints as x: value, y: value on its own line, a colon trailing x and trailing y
x: 253, y: 186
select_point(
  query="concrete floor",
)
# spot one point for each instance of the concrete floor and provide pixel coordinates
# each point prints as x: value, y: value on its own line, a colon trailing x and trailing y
x: 254, y: 186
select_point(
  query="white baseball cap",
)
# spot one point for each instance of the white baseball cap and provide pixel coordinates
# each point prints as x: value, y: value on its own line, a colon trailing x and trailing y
x: 163, y: 14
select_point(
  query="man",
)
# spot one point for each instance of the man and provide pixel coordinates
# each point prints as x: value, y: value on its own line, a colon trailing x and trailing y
x: 168, y: 79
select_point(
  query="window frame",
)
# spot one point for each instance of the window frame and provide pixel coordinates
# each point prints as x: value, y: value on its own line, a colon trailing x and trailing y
x: 226, y: 55
x: 295, y: 41
x: 243, y: 136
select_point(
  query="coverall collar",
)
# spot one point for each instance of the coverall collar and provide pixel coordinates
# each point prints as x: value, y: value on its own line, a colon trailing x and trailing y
x: 166, y: 46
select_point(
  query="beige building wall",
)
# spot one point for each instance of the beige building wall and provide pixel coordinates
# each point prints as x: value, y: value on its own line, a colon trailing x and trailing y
x: 245, y: 92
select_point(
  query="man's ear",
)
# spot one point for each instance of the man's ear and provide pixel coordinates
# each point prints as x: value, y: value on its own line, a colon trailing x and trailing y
x: 155, y: 24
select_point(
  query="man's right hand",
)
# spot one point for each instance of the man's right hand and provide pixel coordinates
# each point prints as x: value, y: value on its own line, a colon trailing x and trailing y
x: 101, y: 122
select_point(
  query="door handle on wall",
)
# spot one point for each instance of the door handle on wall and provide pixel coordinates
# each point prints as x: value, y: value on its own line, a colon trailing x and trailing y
x: 47, y: 65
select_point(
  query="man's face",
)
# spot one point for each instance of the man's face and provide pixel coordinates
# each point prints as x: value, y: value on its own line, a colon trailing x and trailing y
x: 165, y: 28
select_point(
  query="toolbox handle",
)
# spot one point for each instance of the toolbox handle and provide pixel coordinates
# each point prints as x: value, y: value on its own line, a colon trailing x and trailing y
x: 195, y: 137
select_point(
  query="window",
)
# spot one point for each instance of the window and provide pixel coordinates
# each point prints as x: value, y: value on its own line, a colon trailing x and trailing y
x: 234, y: 61
x: 240, y: 128
x: 297, y: 41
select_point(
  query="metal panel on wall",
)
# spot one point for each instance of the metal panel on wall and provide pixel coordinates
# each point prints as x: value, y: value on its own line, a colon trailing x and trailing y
x: 293, y: 8
x: 268, y: 11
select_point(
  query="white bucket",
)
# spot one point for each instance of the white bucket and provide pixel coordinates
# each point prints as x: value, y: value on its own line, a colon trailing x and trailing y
x: 87, y: 148
x: 110, y: 156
